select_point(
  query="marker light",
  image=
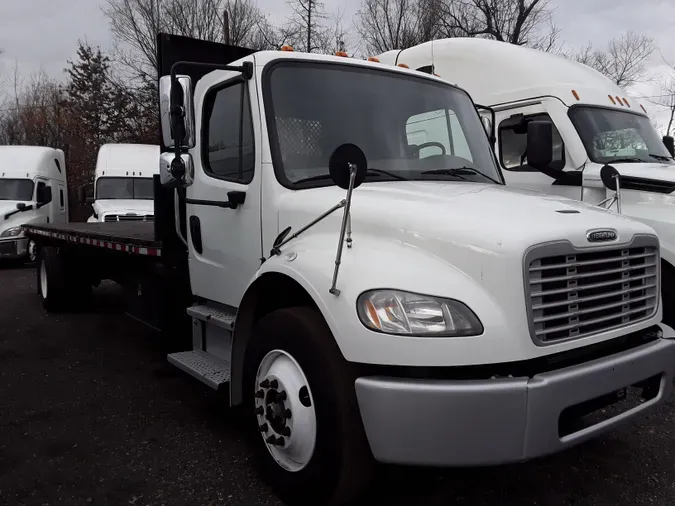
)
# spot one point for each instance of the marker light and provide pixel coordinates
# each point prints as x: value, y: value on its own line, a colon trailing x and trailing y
x: 341, y: 53
x: 373, y: 59
x: 612, y: 99
x: 576, y: 95
x: 286, y: 47
x: 412, y: 314
x: 643, y: 108
x: 619, y: 100
x: 626, y: 101
x: 403, y: 65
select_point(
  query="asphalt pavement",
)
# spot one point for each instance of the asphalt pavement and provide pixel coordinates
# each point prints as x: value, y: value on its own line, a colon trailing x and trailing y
x: 91, y: 413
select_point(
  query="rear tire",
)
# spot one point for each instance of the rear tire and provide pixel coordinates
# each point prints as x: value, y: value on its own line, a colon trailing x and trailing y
x: 324, y: 457
x: 668, y: 293
x: 60, y: 285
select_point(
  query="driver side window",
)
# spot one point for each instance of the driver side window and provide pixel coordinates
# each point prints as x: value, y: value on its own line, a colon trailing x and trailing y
x: 437, y: 133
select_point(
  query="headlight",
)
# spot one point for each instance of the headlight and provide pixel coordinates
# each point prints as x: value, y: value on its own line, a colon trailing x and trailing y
x: 11, y: 232
x: 397, y: 312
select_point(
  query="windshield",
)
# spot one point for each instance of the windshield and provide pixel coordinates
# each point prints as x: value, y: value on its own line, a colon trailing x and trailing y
x: 124, y: 188
x: 618, y: 136
x: 408, y: 127
x: 16, y: 189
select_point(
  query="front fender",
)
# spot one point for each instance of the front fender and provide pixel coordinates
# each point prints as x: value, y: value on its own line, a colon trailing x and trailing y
x: 380, y: 263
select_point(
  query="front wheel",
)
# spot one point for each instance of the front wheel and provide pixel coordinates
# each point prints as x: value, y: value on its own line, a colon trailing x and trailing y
x: 302, y: 404
x: 32, y: 251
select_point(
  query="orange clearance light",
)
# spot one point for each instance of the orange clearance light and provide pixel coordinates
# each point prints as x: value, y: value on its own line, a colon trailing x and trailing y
x: 437, y: 75
x: 341, y: 53
x: 619, y: 100
x: 643, y: 108
x: 373, y: 59
x: 286, y: 47
x: 576, y: 95
x: 612, y: 99
x: 625, y: 100
x: 403, y: 65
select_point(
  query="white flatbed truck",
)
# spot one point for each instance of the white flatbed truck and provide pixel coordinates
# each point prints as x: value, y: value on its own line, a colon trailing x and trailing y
x: 363, y: 303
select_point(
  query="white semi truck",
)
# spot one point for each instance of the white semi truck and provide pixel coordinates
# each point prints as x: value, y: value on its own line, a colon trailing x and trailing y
x: 361, y: 301
x: 32, y: 190
x: 123, y: 188
x: 594, y: 123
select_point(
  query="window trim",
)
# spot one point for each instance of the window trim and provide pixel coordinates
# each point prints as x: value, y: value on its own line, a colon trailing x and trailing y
x: 525, y: 167
x: 204, y: 127
x: 273, y: 136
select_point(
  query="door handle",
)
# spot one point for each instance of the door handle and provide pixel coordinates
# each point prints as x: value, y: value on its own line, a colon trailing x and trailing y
x: 235, y: 199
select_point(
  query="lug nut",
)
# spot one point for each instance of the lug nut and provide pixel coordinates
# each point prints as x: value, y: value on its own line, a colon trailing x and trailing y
x: 263, y: 427
x: 272, y: 395
x: 272, y: 440
x: 274, y: 384
x: 260, y: 394
x: 281, y: 396
x: 286, y: 431
x: 265, y: 383
x: 259, y: 410
x: 288, y: 413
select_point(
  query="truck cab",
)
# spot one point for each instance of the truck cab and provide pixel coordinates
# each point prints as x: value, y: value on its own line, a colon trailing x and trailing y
x: 32, y: 190
x: 123, y: 188
x: 594, y: 124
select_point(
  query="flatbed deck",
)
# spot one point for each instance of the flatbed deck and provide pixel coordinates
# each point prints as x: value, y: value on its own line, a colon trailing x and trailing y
x: 128, y: 237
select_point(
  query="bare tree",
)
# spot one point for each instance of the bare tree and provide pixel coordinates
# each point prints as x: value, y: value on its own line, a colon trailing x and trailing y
x: 623, y: 61
x: 519, y: 22
x: 666, y: 98
x: 398, y: 24
x: 135, y: 24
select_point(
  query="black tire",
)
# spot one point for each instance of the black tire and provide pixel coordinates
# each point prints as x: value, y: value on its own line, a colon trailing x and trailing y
x: 668, y: 293
x: 341, y: 465
x: 58, y: 283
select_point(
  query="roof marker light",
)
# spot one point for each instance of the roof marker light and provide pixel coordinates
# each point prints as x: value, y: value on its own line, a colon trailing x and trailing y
x: 403, y: 66
x: 619, y: 100
x: 612, y: 99
x: 286, y: 47
x: 373, y: 59
x: 437, y: 75
x: 643, y: 108
x: 341, y: 53
x: 625, y: 100
x: 576, y: 95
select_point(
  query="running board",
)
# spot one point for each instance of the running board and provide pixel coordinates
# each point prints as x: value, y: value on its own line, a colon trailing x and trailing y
x: 224, y: 319
x: 206, y: 368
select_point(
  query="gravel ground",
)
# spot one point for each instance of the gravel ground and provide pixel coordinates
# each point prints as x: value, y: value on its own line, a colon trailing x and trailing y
x: 91, y: 413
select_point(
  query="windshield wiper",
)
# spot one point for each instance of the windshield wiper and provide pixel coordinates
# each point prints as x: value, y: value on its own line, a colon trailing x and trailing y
x: 661, y: 157
x: 625, y: 160
x: 457, y: 172
x: 369, y: 172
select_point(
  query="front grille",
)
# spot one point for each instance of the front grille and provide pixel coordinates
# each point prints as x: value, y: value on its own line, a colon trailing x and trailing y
x: 576, y: 294
x: 128, y: 217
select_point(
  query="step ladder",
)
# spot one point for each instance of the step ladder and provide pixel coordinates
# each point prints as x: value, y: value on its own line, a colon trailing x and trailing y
x: 211, y: 370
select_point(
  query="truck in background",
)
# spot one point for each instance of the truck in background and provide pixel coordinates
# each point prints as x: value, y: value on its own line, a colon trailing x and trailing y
x: 362, y: 299
x: 32, y: 190
x: 594, y: 123
x: 123, y: 188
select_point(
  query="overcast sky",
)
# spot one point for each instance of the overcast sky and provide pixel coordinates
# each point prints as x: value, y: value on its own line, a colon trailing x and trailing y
x: 43, y: 34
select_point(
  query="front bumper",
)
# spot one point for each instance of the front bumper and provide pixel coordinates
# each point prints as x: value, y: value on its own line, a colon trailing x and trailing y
x: 497, y: 421
x: 13, y: 248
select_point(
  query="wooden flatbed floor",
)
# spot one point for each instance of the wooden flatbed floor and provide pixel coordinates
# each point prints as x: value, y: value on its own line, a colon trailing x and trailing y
x: 130, y: 237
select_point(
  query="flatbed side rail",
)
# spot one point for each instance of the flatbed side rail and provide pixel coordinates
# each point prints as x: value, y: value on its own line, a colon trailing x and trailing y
x: 124, y: 245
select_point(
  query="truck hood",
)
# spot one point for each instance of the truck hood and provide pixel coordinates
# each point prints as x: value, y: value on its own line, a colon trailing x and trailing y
x: 123, y: 206
x: 473, y: 218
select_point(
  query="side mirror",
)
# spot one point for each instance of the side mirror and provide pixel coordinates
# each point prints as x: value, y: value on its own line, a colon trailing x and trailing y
x: 21, y: 206
x: 89, y: 200
x: 539, y: 144
x: 669, y: 143
x: 43, y: 195
x: 345, y: 158
x: 177, y: 112
x: 176, y: 172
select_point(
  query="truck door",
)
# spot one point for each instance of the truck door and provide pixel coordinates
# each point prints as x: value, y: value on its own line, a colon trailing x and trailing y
x: 225, y: 244
x: 511, y: 137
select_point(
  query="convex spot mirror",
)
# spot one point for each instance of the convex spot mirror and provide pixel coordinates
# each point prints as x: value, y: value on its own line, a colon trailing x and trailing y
x: 609, y: 176
x: 339, y: 165
x: 176, y: 172
x: 177, y: 112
